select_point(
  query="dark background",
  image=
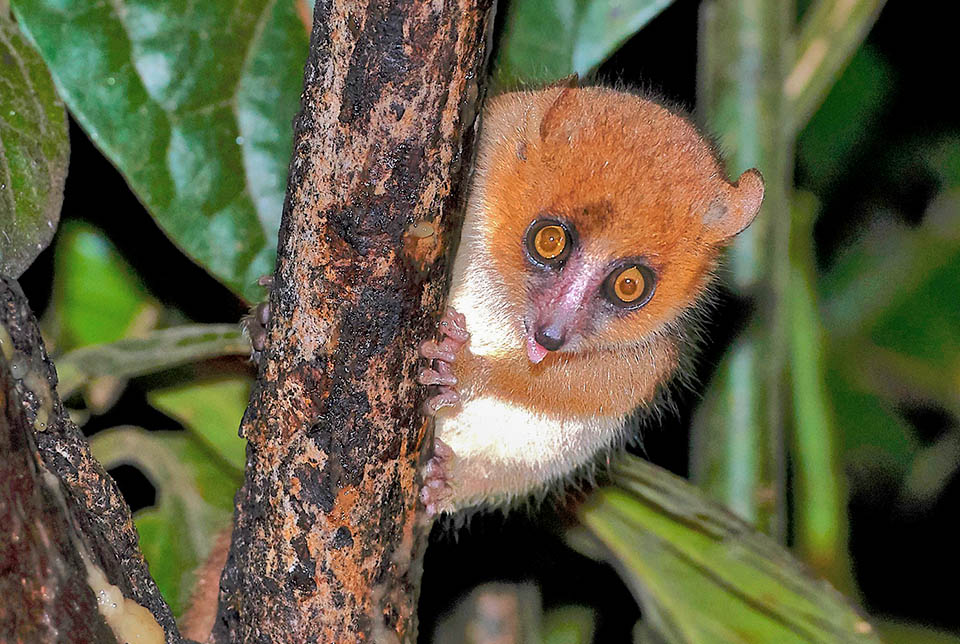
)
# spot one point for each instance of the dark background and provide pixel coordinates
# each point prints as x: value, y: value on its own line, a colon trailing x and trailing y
x: 902, y: 559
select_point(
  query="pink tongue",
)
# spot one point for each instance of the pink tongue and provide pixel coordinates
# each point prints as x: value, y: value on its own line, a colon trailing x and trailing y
x: 535, y: 352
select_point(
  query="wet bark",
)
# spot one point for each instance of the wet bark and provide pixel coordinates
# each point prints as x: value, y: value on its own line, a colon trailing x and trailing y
x: 327, y: 542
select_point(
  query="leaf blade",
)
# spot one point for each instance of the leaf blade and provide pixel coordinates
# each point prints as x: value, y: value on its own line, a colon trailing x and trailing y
x: 166, y: 96
x: 159, y: 350
x: 546, y: 40
x: 706, y: 575
x: 212, y: 410
x: 34, y: 152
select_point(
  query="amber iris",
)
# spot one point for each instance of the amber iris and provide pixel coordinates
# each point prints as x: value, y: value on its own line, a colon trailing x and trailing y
x: 629, y: 285
x: 550, y: 242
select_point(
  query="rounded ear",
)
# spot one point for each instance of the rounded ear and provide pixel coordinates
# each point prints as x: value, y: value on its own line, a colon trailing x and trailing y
x: 735, y: 209
x: 554, y: 122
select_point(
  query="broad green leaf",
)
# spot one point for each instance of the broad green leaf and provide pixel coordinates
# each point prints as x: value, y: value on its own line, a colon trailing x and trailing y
x: 159, y: 350
x: 96, y: 295
x: 943, y: 159
x: 194, y: 501
x: 702, y: 575
x: 193, y: 102
x: 871, y: 430
x: 211, y: 409
x: 545, y: 40
x: 34, y: 151
x: 926, y: 323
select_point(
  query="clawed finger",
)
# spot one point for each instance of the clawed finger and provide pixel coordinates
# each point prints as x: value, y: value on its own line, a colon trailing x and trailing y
x: 433, y: 350
x: 436, y: 376
x: 454, y: 326
x: 446, y: 398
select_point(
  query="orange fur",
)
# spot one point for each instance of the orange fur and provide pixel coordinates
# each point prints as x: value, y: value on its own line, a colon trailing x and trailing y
x: 634, y: 181
x: 592, y: 383
x: 197, y: 621
x: 632, y: 176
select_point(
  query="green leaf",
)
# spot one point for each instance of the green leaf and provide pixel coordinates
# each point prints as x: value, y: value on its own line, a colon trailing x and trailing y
x: 569, y: 625
x: 702, y: 575
x: 96, y: 295
x: 193, y: 102
x: 163, y: 349
x: 545, y: 40
x: 907, y: 633
x: 194, y: 501
x: 34, y: 151
x: 890, y: 307
x: 925, y: 324
x: 943, y: 159
x: 825, y: 145
x: 919, y: 262
x: 211, y: 409
x: 871, y: 429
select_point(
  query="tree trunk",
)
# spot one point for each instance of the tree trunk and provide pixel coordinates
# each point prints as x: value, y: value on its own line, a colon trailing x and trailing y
x: 327, y: 543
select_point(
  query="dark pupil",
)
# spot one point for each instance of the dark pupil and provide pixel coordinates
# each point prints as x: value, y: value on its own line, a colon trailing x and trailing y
x: 550, y: 242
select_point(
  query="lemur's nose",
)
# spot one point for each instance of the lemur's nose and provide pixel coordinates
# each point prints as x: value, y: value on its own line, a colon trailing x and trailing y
x: 550, y: 337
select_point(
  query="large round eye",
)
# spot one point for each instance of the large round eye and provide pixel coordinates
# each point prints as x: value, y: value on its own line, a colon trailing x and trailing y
x: 548, y: 242
x: 630, y: 286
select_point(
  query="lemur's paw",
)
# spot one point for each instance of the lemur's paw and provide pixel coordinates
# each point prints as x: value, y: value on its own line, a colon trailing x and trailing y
x: 254, y: 324
x: 442, y: 353
x: 453, y: 325
x: 436, y: 483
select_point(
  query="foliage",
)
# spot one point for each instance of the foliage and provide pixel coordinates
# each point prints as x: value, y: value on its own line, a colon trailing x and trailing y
x: 193, y: 106
x: 704, y: 575
x: 548, y: 39
x: 194, y: 500
x: 34, y: 150
x: 194, y: 109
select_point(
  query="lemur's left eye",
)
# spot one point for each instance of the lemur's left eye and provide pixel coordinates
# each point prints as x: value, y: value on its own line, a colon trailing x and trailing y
x: 631, y: 286
x: 548, y: 242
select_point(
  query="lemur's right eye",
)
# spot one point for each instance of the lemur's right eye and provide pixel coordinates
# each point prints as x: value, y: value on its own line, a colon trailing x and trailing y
x: 548, y: 243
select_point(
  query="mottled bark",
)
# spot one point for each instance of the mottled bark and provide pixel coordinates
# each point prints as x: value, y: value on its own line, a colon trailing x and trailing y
x: 327, y: 543
x: 59, y: 510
